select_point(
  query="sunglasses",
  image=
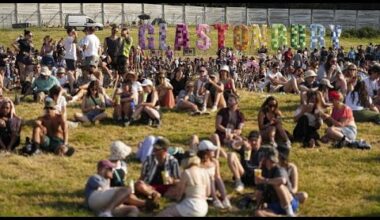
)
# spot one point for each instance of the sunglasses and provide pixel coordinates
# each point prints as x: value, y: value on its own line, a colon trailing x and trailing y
x: 352, y: 69
x: 272, y: 105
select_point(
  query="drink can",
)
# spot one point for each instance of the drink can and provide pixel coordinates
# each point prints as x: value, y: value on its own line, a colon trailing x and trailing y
x: 258, y: 172
x: 117, y: 100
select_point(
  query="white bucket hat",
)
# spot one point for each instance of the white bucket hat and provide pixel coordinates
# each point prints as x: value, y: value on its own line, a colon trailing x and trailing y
x: 119, y: 150
x: 45, y: 71
x: 207, y: 145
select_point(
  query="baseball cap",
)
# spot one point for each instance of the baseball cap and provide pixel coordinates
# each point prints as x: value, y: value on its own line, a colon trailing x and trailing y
x: 272, y: 154
x: 253, y: 135
x: 105, y: 164
x: 93, y: 63
x: 61, y: 70
x: 45, y: 71
x: 147, y: 82
x: 119, y: 150
x: 161, y: 143
x: 206, y: 145
x: 334, y: 95
x: 49, y: 103
x: 283, y: 152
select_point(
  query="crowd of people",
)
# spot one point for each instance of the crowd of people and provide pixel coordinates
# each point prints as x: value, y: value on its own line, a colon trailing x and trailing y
x: 335, y: 87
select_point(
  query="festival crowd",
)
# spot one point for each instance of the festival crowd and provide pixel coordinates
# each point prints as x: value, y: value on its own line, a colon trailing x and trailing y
x: 336, y: 87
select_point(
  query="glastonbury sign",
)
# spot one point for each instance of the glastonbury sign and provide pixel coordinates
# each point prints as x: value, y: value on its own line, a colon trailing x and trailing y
x: 241, y: 40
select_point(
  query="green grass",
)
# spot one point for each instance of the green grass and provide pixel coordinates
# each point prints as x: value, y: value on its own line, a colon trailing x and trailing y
x: 341, y: 182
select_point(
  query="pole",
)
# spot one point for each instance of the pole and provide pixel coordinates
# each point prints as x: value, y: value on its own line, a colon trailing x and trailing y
x: 103, y: 13
x: 81, y: 8
x: 39, y: 14
x: 184, y: 14
x: 246, y: 15
x: 204, y: 15
x: 122, y: 14
x: 225, y: 15
x: 60, y: 14
x: 16, y: 13
x: 163, y: 11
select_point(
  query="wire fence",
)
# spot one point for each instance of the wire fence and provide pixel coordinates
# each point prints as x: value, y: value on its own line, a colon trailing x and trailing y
x: 53, y: 14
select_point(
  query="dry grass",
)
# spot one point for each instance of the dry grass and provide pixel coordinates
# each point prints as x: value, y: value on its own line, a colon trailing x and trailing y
x: 341, y: 182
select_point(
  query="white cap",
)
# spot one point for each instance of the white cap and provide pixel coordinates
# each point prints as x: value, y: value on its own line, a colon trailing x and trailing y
x: 326, y: 82
x: 119, y: 150
x: 225, y: 68
x: 147, y: 82
x: 45, y: 71
x: 206, y: 145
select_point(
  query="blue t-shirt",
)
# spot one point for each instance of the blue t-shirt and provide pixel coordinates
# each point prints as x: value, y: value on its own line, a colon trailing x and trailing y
x: 93, y: 183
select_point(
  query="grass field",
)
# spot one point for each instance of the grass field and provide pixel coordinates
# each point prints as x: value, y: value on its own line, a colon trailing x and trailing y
x: 342, y: 182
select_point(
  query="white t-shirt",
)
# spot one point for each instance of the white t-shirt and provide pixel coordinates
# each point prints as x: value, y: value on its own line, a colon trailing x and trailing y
x: 92, y: 45
x: 372, y: 85
x: 70, y: 48
x: 353, y: 104
x: 62, y: 81
x: 61, y: 103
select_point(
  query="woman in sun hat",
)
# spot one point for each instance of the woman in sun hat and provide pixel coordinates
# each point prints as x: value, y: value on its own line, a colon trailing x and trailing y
x: 195, y: 186
x: 119, y: 152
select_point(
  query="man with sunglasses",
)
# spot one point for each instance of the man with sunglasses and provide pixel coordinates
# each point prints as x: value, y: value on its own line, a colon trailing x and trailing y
x: 50, y: 132
x: 160, y: 172
x: 201, y: 93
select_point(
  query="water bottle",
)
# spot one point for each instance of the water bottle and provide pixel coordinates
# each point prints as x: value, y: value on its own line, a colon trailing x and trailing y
x: 132, y: 186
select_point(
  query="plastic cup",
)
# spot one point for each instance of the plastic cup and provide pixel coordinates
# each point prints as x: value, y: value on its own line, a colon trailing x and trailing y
x: 132, y: 186
x: 165, y: 177
x: 228, y: 131
x: 258, y: 172
x: 247, y: 154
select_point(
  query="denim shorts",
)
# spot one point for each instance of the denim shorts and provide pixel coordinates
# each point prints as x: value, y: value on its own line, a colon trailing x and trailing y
x: 277, y: 209
x: 350, y: 132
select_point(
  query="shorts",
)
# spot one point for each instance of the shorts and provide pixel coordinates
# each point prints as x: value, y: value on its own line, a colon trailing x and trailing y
x: 93, y: 113
x: 100, y: 199
x: 51, y: 144
x: 24, y: 59
x: 162, y: 189
x: 71, y: 64
x: 277, y: 209
x: 122, y: 66
x: 350, y: 132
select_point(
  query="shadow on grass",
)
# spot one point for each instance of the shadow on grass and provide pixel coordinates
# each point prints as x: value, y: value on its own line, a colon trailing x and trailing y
x: 368, y: 160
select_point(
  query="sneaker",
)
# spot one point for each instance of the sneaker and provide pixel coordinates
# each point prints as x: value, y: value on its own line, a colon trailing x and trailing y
x: 214, y: 109
x: 288, y: 144
x: 217, y: 204
x: 72, y: 124
x: 105, y: 214
x: 127, y: 123
x: 156, y: 123
x: 341, y: 143
x: 239, y: 187
x: 150, y: 122
x: 227, y: 203
x: 204, y: 109
x: 364, y: 145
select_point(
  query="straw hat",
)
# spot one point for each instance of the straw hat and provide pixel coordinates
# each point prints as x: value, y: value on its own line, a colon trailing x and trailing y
x: 119, y: 150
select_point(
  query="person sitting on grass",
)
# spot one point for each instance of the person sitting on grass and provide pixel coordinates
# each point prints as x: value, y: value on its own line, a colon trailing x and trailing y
x: 165, y: 91
x: 93, y: 105
x: 362, y: 105
x: 292, y: 171
x: 270, y: 125
x: 50, y: 132
x: 216, y: 89
x: 343, y: 127
x: 242, y: 169
x: 192, y: 192
x: 206, y: 152
x: 148, y: 108
x: 309, y: 120
x: 119, y: 153
x: 43, y: 84
x: 186, y: 100
x: 10, y: 126
x: 104, y: 200
x: 274, y: 188
x: 229, y: 121
x: 125, y: 103
x: 159, y: 173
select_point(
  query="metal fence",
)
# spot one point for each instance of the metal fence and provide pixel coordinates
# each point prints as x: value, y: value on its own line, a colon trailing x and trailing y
x: 53, y: 14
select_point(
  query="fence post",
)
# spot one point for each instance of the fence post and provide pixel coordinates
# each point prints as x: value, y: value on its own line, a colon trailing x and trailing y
x: 334, y: 17
x: 142, y: 8
x: 311, y: 16
x: 289, y: 19
x: 39, y: 14
x: 204, y: 15
x: 268, y: 17
x: 184, y: 13
x: 122, y: 14
x: 60, y: 14
x: 246, y: 15
x: 102, y: 8
x: 81, y: 8
x: 16, y: 13
x: 163, y: 11
x: 225, y: 15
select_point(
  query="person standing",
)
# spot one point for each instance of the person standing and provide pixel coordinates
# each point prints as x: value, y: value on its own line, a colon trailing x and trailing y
x: 91, y: 48
x: 70, y: 45
x: 125, y: 44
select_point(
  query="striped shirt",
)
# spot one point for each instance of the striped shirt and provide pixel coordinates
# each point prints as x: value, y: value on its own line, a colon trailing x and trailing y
x: 150, y: 166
